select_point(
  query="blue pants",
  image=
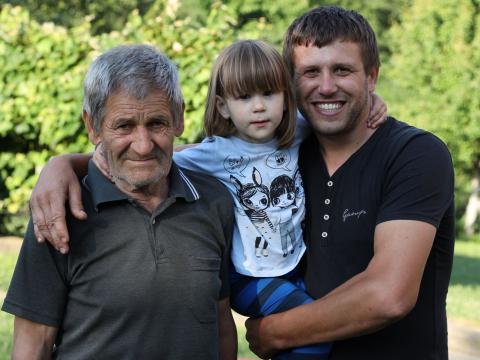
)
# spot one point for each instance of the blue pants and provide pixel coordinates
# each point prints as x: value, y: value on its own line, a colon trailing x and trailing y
x: 255, y: 297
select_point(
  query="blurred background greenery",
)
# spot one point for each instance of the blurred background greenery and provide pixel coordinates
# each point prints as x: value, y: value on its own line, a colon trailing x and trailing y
x: 430, y: 73
x: 430, y: 77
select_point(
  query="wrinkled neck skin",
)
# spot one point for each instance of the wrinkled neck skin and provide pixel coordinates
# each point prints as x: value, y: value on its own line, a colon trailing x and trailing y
x: 149, y: 196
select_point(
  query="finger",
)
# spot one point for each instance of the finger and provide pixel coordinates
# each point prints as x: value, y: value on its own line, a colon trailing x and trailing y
x: 378, y: 118
x: 75, y: 201
x: 56, y: 220
x: 38, y: 234
x: 55, y: 215
x: 37, y: 204
x: 100, y: 161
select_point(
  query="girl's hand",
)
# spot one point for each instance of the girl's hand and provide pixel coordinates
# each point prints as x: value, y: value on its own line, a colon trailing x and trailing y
x: 100, y: 161
x: 378, y: 112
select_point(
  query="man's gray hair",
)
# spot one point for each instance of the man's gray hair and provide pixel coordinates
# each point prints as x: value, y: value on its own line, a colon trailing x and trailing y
x: 136, y: 69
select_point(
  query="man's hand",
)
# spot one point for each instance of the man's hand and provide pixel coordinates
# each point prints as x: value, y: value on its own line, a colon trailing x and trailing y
x: 262, y: 345
x: 57, y: 183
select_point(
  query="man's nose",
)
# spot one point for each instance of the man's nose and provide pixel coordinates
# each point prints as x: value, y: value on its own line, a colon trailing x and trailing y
x: 327, y: 84
x: 142, y: 142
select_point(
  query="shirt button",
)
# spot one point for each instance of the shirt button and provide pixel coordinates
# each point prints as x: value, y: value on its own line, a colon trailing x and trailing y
x: 330, y: 183
x: 326, y: 217
x: 327, y: 201
x: 153, y: 222
x: 324, y: 234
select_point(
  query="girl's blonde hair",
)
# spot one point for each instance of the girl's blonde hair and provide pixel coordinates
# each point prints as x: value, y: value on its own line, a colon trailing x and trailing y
x: 245, y: 67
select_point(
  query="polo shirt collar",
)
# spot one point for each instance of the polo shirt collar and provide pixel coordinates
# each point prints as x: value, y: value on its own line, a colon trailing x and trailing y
x: 181, y: 186
x: 104, y: 191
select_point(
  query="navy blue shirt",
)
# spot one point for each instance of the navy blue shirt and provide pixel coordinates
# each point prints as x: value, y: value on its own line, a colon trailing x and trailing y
x: 400, y: 173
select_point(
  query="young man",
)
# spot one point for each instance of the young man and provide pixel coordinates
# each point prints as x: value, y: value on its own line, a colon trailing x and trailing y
x: 380, y: 220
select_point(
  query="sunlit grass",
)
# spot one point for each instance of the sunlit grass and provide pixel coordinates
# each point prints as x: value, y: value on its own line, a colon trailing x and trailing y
x: 463, y: 302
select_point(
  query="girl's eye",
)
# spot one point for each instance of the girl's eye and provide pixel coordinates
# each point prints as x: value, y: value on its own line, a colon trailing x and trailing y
x: 244, y: 96
x: 267, y: 93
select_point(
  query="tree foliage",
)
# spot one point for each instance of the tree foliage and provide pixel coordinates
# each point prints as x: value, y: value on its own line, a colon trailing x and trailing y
x: 430, y: 74
x: 435, y: 64
x: 105, y: 15
x: 42, y: 67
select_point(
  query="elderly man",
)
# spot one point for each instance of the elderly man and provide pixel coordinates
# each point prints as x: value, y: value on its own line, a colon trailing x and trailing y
x: 146, y: 277
x: 380, y: 219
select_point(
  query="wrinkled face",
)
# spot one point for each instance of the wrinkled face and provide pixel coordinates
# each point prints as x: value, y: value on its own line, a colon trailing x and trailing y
x: 333, y: 89
x: 255, y: 116
x: 137, y: 138
x: 284, y: 200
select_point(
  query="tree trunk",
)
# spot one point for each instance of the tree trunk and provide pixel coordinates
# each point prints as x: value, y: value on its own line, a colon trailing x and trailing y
x: 473, y: 206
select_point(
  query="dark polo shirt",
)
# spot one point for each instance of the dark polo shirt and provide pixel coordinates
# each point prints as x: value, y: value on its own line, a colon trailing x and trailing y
x: 400, y: 173
x: 135, y: 285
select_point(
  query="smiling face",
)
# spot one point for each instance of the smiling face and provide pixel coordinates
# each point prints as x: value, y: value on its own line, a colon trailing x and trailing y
x: 137, y: 139
x: 333, y: 88
x: 255, y: 116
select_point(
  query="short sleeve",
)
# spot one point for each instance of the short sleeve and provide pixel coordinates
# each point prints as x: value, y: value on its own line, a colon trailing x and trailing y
x: 201, y: 158
x: 38, y: 290
x: 420, y: 182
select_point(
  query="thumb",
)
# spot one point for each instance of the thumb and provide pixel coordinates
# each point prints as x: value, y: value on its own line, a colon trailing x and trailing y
x: 75, y: 201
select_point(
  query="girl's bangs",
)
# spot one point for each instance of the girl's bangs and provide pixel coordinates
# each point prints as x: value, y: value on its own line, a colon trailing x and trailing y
x: 251, y: 73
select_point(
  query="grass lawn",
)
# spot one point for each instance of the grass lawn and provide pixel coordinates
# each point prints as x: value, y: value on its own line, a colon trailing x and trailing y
x: 463, y: 302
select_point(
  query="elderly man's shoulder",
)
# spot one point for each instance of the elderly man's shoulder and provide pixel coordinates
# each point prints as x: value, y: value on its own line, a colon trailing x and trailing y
x: 208, y: 186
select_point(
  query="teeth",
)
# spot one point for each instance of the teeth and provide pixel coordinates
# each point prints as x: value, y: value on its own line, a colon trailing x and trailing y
x: 329, y: 106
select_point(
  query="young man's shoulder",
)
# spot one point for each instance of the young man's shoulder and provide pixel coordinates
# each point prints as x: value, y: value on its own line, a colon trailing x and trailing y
x: 399, y: 135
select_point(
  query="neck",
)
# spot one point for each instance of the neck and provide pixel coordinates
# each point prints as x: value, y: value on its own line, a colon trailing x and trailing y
x: 149, y: 196
x: 337, y: 149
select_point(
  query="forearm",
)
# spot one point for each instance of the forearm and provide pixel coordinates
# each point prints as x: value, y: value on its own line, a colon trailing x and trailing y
x: 227, y: 332
x: 78, y: 162
x: 32, y: 341
x: 355, y: 308
x: 383, y: 293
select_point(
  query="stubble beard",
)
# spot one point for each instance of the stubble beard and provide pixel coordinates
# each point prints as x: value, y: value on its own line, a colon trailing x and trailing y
x: 134, y: 184
x: 354, y: 116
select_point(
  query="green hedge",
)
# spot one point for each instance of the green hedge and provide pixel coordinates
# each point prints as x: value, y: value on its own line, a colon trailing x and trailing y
x: 42, y: 67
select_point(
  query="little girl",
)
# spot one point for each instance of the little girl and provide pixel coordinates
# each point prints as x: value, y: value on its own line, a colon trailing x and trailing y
x: 252, y: 147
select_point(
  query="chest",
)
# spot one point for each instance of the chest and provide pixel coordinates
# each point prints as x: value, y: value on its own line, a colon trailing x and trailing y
x: 127, y: 260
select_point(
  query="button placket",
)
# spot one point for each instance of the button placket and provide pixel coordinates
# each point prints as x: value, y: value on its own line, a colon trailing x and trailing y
x: 327, y: 209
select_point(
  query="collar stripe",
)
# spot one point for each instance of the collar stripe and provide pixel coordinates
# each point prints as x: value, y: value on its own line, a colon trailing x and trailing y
x: 190, y: 185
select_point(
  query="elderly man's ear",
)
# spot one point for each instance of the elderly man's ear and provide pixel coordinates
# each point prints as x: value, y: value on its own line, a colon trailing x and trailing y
x: 180, y: 123
x: 94, y: 138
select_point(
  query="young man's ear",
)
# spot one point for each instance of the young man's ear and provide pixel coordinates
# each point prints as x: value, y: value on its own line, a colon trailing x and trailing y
x: 179, y: 126
x: 372, y: 78
x: 87, y: 121
x: 222, y: 107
